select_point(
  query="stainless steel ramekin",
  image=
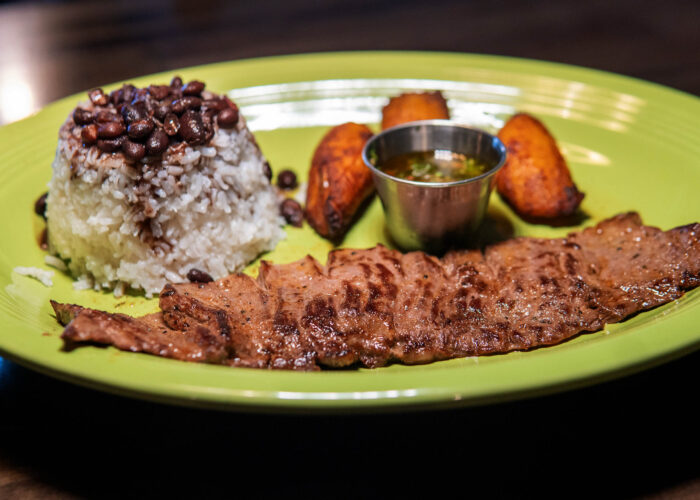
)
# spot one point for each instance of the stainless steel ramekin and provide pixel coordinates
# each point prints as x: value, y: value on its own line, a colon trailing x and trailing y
x: 433, y: 216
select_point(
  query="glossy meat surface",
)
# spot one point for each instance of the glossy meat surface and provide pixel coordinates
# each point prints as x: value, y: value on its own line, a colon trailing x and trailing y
x: 378, y: 306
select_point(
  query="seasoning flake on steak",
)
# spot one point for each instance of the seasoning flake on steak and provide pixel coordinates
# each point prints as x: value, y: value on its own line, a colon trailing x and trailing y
x: 377, y: 306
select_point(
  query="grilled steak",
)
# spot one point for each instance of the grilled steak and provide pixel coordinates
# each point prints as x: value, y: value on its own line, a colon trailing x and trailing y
x: 376, y: 306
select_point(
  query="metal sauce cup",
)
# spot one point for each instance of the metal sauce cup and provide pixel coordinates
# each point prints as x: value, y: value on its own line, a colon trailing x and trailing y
x: 433, y: 216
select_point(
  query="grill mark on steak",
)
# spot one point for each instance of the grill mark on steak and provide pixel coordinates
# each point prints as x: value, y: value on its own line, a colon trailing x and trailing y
x: 222, y: 323
x: 352, y: 302
x: 376, y: 306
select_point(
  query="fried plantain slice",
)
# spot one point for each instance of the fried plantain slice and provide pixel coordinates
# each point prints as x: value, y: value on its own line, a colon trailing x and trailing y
x: 535, y: 179
x: 414, y: 106
x: 339, y: 182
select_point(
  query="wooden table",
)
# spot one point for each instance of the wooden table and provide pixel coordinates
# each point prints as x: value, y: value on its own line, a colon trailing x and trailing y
x: 633, y: 437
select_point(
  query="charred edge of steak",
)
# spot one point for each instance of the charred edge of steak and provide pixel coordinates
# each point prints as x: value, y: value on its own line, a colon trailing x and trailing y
x: 65, y: 312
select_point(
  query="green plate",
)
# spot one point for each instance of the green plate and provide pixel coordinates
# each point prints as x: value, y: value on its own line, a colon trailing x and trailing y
x: 631, y: 146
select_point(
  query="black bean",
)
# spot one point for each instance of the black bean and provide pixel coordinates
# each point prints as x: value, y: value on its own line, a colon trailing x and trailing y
x: 144, y: 104
x: 193, y: 88
x: 208, y: 133
x: 111, y: 145
x: 160, y: 110
x: 176, y: 82
x: 192, y: 102
x: 40, y: 205
x: 132, y: 113
x: 128, y: 92
x: 197, y: 276
x: 176, y: 92
x: 89, y: 134
x: 98, y: 97
x: 292, y: 212
x: 133, y: 150
x: 229, y: 102
x: 217, y: 104
x: 192, y: 128
x: 140, y: 129
x: 267, y: 171
x: 227, y: 117
x: 287, y: 179
x: 179, y: 106
x: 139, y: 95
x: 208, y: 117
x: 44, y: 239
x: 110, y: 130
x: 83, y: 116
x: 171, y: 124
x: 159, y: 91
x: 157, y: 143
x: 208, y: 122
x: 105, y: 116
x: 116, y: 96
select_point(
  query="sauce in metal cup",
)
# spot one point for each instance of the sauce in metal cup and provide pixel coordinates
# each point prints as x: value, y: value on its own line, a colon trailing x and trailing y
x: 433, y: 216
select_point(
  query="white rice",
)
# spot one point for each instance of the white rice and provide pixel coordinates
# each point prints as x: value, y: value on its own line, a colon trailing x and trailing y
x: 118, y: 224
x: 53, y: 261
x: 42, y: 275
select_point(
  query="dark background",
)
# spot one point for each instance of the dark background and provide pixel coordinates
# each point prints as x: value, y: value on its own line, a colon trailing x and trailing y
x: 60, y: 48
x: 633, y: 437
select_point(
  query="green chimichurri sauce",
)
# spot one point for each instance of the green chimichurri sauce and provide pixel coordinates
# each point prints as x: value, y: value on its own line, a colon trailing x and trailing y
x: 433, y: 166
